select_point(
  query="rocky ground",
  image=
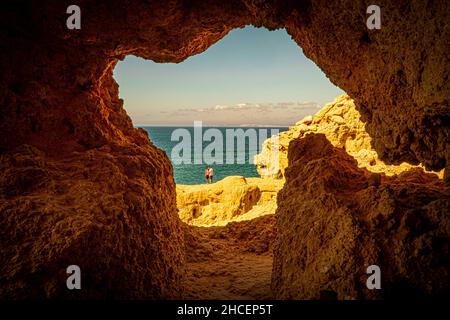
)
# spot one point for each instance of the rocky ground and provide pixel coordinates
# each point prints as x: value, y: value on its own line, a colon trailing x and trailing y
x: 229, y: 234
x: 230, y: 262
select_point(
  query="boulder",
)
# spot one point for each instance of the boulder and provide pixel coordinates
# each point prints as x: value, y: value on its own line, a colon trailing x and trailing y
x: 234, y: 198
x: 334, y: 220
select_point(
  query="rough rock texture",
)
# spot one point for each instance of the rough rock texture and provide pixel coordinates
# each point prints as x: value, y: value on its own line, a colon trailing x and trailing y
x: 107, y: 210
x: 234, y: 198
x: 60, y: 114
x: 230, y: 262
x: 56, y: 84
x: 341, y: 124
x: 334, y: 220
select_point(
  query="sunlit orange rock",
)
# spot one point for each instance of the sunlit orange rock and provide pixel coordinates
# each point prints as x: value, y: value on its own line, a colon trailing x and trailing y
x: 333, y: 222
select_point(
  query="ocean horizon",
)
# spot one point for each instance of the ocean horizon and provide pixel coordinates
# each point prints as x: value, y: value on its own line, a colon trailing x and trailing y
x: 191, y: 173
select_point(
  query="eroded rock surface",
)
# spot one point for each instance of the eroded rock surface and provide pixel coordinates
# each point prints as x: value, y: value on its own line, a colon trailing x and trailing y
x: 335, y: 219
x: 234, y: 198
x: 58, y: 93
x: 341, y: 123
x: 230, y: 262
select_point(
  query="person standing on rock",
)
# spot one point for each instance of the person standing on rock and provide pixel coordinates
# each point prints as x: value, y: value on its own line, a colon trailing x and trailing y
x: 211, y: 173
x: 207, y: 174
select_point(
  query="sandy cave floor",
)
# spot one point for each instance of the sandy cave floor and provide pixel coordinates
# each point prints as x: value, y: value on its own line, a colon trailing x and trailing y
x: 230, y: 262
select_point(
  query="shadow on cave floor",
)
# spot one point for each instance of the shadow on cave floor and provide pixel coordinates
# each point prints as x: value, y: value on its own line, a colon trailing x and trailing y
x: 230, y: 262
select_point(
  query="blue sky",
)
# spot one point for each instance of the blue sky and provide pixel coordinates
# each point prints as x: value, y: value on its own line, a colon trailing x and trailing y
x: 249, y: 77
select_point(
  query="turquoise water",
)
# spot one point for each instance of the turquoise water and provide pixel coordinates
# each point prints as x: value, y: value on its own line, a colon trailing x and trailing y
x: 194, y: 173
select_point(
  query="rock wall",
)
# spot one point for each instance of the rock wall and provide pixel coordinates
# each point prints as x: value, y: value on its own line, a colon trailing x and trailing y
x: 397, y: 75
x: 334, y: 220
x: 57, y: 87
x: 341, y: 123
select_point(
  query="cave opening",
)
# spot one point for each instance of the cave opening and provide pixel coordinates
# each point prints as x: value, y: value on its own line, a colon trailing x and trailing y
x: 80, y: 185
x: 246, y: 89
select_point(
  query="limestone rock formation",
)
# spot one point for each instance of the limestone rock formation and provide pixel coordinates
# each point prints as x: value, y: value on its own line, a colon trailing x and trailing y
x: 341, y: 123
x: 333, y: 223
x: 108, y: 211
x: 230, y: 262
x: 234, y: 198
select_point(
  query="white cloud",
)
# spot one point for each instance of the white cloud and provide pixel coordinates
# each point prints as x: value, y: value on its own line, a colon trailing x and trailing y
x: 258, y: 114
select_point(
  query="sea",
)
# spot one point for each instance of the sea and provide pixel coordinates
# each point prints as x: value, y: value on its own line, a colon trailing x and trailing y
x: 166, y: 138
